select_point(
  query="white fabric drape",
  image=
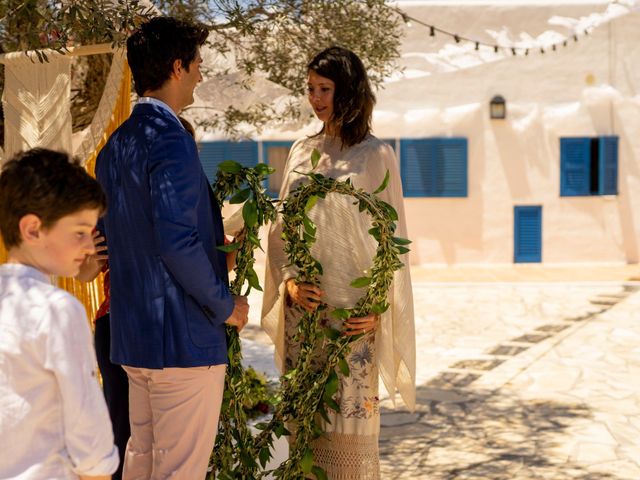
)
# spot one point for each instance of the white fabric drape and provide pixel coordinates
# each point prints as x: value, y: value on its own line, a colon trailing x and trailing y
x: 100, y: 121
x: 36, y: 102
x: 345, y: 250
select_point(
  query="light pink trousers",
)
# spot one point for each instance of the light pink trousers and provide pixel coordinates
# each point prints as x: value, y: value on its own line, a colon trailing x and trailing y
x: 174, y: 419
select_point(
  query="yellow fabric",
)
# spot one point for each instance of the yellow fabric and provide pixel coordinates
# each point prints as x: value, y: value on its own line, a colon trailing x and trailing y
x: 91, y: 294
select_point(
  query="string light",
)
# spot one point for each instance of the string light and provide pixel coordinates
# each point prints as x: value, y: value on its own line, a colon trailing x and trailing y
x: 515, y: 50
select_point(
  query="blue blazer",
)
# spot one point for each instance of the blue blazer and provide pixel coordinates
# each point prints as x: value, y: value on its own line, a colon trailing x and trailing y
x: 169, y: 284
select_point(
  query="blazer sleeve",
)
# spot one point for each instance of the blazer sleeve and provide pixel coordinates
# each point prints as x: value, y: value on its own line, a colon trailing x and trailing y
x: 174, y: 171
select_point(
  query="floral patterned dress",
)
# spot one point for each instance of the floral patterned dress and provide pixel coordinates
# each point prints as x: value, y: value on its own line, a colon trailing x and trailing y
x: 349, y: 449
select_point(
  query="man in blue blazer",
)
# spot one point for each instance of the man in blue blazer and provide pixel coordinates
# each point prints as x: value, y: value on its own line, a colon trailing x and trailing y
x: 169, y: 288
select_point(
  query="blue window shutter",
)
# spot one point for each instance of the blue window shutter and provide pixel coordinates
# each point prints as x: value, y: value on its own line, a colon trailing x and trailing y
x: 527, y: 234
x: 434, y: 167
x: 274, y: 181
x: 211, y: 154
x: 575, y: 166
x: 608, y: 164
x: 451, y: 179
x: 417, y: 168
x: 214, y: 153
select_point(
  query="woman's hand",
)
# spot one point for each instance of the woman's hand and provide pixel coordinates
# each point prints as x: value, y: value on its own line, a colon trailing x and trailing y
x: 92, y: 265
x: 304, y: 294
x: 358, y: 325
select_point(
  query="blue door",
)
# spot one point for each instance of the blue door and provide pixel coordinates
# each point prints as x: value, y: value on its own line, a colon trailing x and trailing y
x: 527, y: 246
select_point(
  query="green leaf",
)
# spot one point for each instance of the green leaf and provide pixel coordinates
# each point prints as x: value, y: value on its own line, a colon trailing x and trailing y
x: 264, y: 455
x: 241, y: 196
x: 253, y: 238
x: 310, y: 203
x: 323, y: 413
x: 344, y: 367
x: 315, y: 158
x: 332, y: 333
x: 263, y: 169
x: 401, y: 241
x: 319, y: 473
x: 309, y: 226
x: 252, y: 278
x: 391, y: 211
x: 383, y: 185
x: 229, y: 166
x: 229, y: 248
x: 331, y: 403
x: 306, y: 463
x: 361, y: 282
x: 379, y: 307
x: 375, y: 233
x: 402, y: 250
x: 341, y: 313
x: 331, y: 387
x: 250, y: 213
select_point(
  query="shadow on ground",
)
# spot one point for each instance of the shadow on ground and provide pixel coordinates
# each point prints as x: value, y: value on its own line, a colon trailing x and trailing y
x: 458, y: 433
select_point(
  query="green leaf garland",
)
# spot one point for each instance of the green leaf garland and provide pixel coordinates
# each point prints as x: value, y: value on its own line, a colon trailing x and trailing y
x: 305, y: 391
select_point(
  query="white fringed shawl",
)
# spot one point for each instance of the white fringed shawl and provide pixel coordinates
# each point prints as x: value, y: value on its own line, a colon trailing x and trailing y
x: 345, y: 249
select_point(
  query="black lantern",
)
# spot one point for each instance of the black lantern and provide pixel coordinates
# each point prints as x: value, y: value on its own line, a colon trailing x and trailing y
x: 498, y: 107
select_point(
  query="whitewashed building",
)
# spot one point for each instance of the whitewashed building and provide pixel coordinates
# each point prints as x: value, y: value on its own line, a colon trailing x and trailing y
x: 556, y: 180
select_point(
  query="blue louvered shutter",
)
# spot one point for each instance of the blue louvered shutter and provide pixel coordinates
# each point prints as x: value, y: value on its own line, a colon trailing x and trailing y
x: 575, y: 166
x: 527, y: 234
x: 608, y: 164
x: 417, y: 168
x: 434, y: 167
x: 214, y: 153
x: 211, y: 154
x: 451, y: 177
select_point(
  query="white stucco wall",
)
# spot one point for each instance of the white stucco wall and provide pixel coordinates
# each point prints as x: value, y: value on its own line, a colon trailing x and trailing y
x: 588, y: 88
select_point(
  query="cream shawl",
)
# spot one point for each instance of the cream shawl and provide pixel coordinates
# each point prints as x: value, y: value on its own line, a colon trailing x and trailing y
x: 345, y: 250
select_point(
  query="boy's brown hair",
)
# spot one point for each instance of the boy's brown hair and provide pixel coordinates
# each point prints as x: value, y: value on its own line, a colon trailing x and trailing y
x: 47, y: 184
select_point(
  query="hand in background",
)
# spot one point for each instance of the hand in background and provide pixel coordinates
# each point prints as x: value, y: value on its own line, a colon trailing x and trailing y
x: 304, y: 294
x: 231, y: 256
x: 93, y: 264
x: 240, y: 315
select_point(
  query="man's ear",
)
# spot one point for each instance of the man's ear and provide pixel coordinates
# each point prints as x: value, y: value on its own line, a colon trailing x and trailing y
x: 178, y: 69
x: 30, y: 228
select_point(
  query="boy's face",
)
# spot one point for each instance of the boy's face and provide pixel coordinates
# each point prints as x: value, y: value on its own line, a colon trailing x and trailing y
x: 61, y: 249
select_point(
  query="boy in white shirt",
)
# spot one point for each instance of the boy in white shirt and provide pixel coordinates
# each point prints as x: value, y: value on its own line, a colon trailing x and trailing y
x: 53, y: 419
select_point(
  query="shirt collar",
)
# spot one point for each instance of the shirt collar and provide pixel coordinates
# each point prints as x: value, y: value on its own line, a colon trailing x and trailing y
x: 21, y: 270
x: 161, y: 104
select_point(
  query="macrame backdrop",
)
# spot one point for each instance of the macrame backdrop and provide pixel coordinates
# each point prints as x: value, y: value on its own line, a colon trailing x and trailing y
x: 36, y: 102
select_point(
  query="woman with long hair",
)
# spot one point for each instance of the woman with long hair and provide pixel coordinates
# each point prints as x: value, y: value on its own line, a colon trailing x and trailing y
x: 340, y: 94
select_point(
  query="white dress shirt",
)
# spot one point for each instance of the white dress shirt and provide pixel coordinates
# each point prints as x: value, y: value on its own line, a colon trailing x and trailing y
x: 54, y: 422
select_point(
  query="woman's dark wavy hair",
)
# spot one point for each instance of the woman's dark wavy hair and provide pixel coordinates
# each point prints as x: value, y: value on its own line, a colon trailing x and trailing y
x: 353, y: 99
x: 152, y: 49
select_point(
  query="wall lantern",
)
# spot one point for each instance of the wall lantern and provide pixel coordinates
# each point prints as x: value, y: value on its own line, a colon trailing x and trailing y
x: 497, y: 107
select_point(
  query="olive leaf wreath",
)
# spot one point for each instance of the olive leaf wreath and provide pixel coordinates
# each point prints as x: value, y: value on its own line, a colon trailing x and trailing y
x: 305, y: 391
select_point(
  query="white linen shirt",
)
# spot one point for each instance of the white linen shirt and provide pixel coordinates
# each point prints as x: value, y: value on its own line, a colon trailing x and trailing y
x: 54, y: 422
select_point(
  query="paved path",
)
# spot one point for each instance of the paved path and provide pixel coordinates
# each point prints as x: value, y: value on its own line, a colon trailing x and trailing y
x: 521, y: 382
x: 515, y: 381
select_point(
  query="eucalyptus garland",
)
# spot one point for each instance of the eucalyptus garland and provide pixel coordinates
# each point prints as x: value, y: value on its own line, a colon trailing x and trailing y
x: 305, y: 391
x: 230, y: 458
